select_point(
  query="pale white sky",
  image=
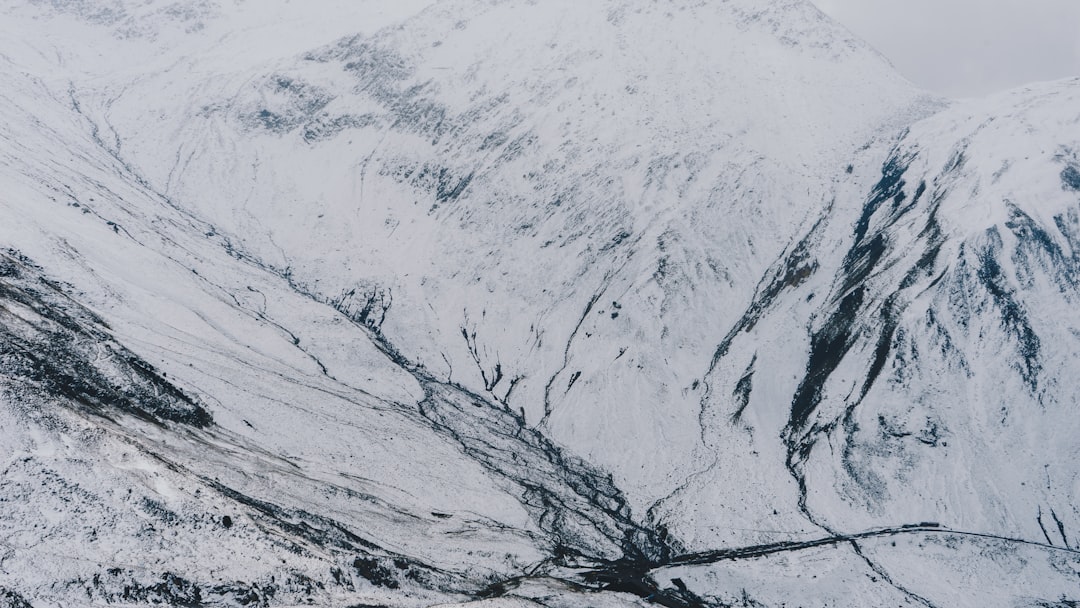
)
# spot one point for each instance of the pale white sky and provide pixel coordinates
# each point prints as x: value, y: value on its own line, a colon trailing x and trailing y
x: 965, y: 48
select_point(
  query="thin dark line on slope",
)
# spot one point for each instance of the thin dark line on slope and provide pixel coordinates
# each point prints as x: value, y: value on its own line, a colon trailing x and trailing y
x: 548, y: 408
x: 708, y: 557
x: 880, y: 570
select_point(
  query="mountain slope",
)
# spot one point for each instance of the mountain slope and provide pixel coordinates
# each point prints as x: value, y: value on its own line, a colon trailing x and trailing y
x: 413, y: 303
x: 618, y: 196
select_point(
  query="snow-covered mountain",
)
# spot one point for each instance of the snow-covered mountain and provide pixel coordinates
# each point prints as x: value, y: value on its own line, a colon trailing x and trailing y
x: 515, y: 303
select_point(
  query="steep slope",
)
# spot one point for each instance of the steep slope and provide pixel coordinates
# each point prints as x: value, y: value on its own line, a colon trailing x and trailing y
x: 934, y: 382
x: 560, y: 206
x: 408, y: 303
x: 971, y: 337
x: 273, y: 454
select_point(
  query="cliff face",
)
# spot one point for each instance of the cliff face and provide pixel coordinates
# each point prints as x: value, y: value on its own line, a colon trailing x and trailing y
x: 614, y: 303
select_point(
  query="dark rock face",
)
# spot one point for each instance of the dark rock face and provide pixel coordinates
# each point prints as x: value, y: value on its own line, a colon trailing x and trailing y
x: 10, y: 599
x: 1070, y: 177
x: 52, y: 345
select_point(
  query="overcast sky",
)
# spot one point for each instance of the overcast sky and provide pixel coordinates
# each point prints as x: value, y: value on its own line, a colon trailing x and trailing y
x: 966, y: 48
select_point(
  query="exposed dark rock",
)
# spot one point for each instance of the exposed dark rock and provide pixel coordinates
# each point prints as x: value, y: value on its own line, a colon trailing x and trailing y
x: 10, y: 599
x: 62, y: 349
x: 1070, y: 177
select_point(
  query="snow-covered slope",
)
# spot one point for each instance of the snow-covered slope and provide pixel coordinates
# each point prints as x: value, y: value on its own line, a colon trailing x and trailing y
x: 551, y: 199
x: 406, y: 303
x: 934, y: 333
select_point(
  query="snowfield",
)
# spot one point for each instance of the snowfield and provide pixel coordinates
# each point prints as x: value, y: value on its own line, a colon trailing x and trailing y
x: 515, y: 303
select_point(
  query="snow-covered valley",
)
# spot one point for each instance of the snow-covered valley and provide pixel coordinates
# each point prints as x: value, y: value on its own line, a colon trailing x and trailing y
x: 517, y: 303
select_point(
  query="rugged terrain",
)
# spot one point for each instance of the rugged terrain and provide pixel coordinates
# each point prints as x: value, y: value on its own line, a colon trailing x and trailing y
x: 517, y: 303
